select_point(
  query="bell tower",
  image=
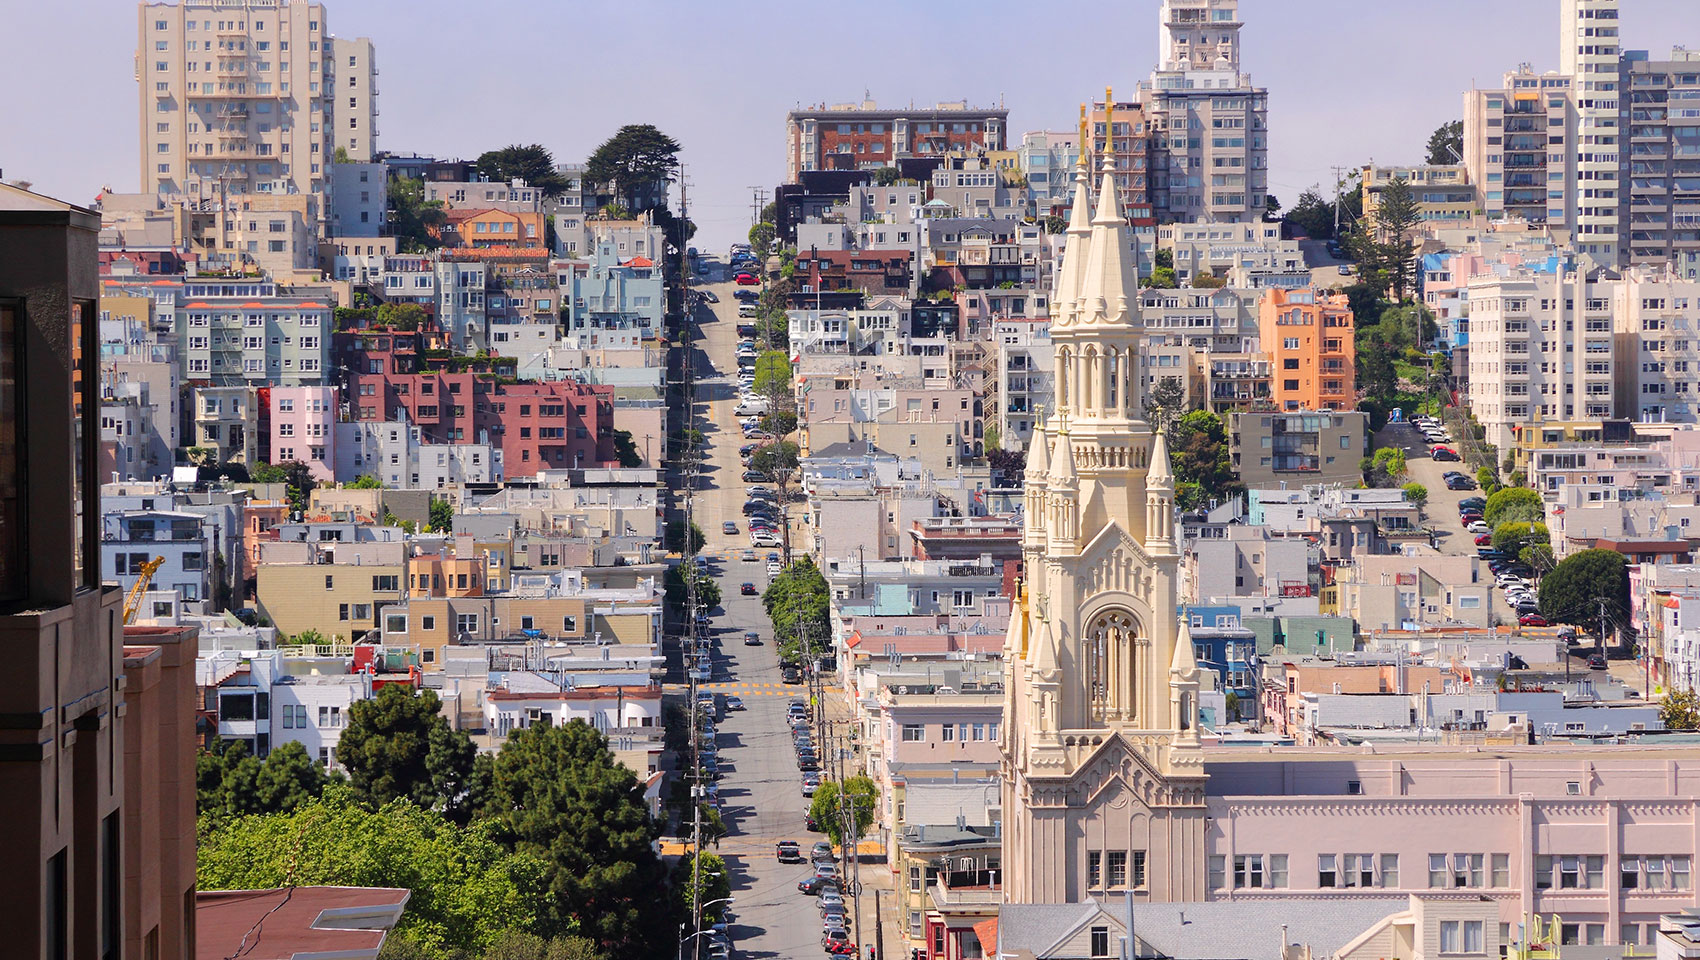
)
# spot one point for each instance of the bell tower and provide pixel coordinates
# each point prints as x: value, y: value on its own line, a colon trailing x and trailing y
x: 1101, y: 749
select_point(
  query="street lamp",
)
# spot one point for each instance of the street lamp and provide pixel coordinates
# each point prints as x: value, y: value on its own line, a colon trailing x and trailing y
x: 699, y: 933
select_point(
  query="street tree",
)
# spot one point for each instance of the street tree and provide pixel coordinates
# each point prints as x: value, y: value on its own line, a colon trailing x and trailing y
x: 638, y: 160
x: 702, y: 879
x: 780, y: 423
x: 532, y: 163
x: 761, y: 238
x: 675, y: 582
x: 798, y: 603
x: 1513, y: 504
x: 773, y: 377
x: 414, y: 220
x: 1586, y: 588
x: 1165, y: 403
x: 1416, y: 493
x: 398, y: 745
x: 231, y: 782
x: 466, y: 889
x: 856, y: 797
x: 1312, y: 214
x: 556, y: 795
x: 1513, y: 537
x: 675, y: 538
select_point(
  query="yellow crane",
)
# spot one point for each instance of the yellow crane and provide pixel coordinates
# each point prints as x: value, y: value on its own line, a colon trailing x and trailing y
x: 134, y: 600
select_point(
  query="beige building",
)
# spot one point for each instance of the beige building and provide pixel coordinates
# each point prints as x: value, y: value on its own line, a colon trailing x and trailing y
x: 235, y: 97
x: 1506, y: 148
x: 1442, y: 192
x: 338, y: 589
x: 1298, y: 448
x: 355, y: 97
x: 1396, y: 592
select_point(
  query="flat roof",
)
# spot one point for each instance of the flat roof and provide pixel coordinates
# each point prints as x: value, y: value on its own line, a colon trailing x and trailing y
x: 289, y: 922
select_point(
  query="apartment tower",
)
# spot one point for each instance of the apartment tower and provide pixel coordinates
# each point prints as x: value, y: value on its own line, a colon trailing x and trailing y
x: 1209, y: 139
x: 355, y: 96
x: 1588, y: 52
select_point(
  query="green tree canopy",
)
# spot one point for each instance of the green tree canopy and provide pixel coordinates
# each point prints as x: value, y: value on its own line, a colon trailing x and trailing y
x: 709, y: 871
x: 442, y: 514
x: 797, y: 599
x: 1165, y: 403
x: 556, y: 794
x: 401, y: 316
x: 398, y: 745
x: 1585, y: 584
x: 1680, y: 710
x: 780, y: 423
x: 1198, y: 448
x: 1446, y: 144
x: 886, y: 176
x: 466, y: 889
x: 635, y: 160
x: 828, y: 807
x: 1161, y: 278
x: 532, y: 163
x: 230, y: 782
x: 1416, y: 493
x: 625, y: 449
x: 675, y: 581
x: 675, y: 538
x: 1513, y: 504
x: 1312, y: 214
x: 773, y: 376
x: 414, y: 220
x: 1513, y: 537
x: 778, y: 460
x: 365, y: 482
x: 761, y: 238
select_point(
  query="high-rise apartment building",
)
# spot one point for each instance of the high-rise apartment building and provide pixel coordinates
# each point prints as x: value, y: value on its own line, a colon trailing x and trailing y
x: 1209, y: 139
x: 1660, y: 121
x: 1517, y: 147
x: 355, y: 95
x: 1127, y: 147
x: 235, y: 97
x: 1309, y: 337
x: 858, y: 136
x: 1588, y: 52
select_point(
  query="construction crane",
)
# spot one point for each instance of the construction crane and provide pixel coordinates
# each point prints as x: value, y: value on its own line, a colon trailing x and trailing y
x: 133, y: 601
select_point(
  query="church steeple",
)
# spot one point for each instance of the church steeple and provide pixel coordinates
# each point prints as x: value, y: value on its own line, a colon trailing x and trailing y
x: 1183, y: 688
x: 1034, y: 480
x: 1076, y: 239
x: 1064, y: 489
x: 1160, y: 500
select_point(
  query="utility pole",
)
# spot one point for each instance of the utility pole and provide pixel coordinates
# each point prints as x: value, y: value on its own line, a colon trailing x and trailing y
x: 688, y: 650
x: 757, y: 202
x: 1339, y: 172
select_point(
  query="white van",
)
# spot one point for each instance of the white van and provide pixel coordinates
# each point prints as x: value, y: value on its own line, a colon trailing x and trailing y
x: 755, y: 406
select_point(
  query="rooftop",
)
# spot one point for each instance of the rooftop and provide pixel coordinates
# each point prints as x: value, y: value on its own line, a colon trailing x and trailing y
x: 283, y: 924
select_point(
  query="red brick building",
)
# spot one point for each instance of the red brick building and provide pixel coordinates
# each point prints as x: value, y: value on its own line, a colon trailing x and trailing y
x: 862, y: 136
x: 546, y: 425
x: 874, y: 272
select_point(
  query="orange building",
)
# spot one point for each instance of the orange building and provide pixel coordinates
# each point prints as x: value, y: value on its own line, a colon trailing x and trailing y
x: 1309, y: 339
x: 492, y: 228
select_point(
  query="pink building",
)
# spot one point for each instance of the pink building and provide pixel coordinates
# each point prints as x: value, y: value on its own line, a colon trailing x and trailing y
x: 1603, y: 837
x: 304, y: 428
x: 932, y: 733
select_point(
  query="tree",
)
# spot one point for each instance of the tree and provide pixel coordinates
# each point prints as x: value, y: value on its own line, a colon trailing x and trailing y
x: 365, y: 482
x: 780, y: 423
x: 625, y: 449
x: 1416, y: 493
x: 519, y: 945
x: 556, y: 794
x: 829, y: 807
x: 702, y: 879
x: 229, y: 782
x: 637, y: 160
x: 761, y: 238
x: 1586, y: 586
x: 773, y: 376
x: 1164, y: 258
x: 1680, y: 710
x: 779, y: 461
x: 398, y: 745
x: 1446, y: 144
x: 466, y: 889
x: 340, y: 155
x: 1207, y: 281
x: 1513, y: 504
x: 798, y: 603
x: 1198, y: 448
x: 1384, y: 468
x: 1165, y: 402
x: 1487, y: 480
x: 1161, y: 278
x: 1271, y: 206
x: 532, y: 163
x: 267, y: 473
x: 414, y: 220
x: 1378, y: 378
x: 401, y: 316
x: 675, y: 538
x: 1512, y: 538
x: 442, y: 514
x: 676, y: 580
x: 1053, y: 224
x: 1539, y: 558
x: 1396, y: 216
x: 1312, y: 214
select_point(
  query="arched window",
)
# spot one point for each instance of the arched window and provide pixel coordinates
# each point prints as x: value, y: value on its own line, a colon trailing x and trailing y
x: 1109, y: 653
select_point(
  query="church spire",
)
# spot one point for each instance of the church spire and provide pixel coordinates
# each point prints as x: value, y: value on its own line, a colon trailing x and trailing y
x: 1065, y: 298
x: 1160, y: 499
x: 1108, y: 288
x: 1183, y: 687
x: 1034, y: 478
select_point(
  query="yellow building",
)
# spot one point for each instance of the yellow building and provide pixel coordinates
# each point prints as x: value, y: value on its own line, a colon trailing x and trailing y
x: 344, y: 598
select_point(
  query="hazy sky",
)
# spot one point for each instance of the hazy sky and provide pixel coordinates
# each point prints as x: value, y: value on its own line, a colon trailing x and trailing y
x: 1349, y: 80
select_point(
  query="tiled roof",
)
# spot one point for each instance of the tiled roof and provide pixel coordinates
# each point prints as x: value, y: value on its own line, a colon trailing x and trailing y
x: 639, y: 262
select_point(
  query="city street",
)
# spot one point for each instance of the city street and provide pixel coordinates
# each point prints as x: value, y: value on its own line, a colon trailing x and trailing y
x: 760, y: 786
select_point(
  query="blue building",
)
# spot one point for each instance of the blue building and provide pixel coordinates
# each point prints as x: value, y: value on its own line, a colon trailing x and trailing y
x: 1225, y: 646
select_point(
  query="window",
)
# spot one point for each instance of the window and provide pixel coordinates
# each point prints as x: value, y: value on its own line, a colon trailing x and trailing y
x: 1137, y: 878
x: 1217, y: 871
x: 914, y: 733
x: 1437, y: 871
x: 1390, y: 870
x: 1094, y: 870
x: 1326, y: 870
x: 1248, y: 871
x: 1100, y: 941
x: 1501, y: 870
x: 466, y: 623
x: 1118, y: 868
x: 427, y: 623
x: 1451, y: 936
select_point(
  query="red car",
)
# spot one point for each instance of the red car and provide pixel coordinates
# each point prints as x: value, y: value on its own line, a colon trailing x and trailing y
x: 1465, y: 519
x: 1485, y: 540
x: 1532, y: 620
x: 746, y: 280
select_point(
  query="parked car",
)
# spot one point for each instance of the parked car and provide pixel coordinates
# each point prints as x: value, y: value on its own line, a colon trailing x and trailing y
x: 814, y: 885
x: 1597, y: 662
x: 764, y: 539
x: 746, y: 280
x: 1460, y: 483
x: 1444, y: 453
x: 1469, y: 516
x: 1476, y: 526
x: 821, y: 853
x: 807, y: 763
x: 755, y: 476
x: 1484, y: 539
x: 1472, y: 503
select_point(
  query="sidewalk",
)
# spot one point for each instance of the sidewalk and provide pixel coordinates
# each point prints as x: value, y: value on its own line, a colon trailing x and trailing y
x: 878, y: 885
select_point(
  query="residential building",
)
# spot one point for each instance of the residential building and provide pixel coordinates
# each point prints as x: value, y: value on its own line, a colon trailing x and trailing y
x: 249, y: 331
x: 1026, y: 378
x: 1125, y: 151
x: 1411, y: 592
x: 1047, y: 156
x: 1442, y: 192
x: 392, y: 451
x: 617, y: 302
x: 1209, y: 124
x: 235, y: 98
x: 1656, y: 322
x: 1299, y: 447
x: 337, y: 587
x: 359, y: 199
x: 1308, y: 336
x: 225, y: 422
x: 1512, y: 136
x: 304, y: 428
x: 853, y: 136
x: 353, y: 89
x: 1660, y: 213
x: 132, y: 538
x: 1588, y: 49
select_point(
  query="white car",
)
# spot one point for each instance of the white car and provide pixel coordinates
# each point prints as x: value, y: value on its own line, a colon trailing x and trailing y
x: 764, y: 539
x: 1478, y: 527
